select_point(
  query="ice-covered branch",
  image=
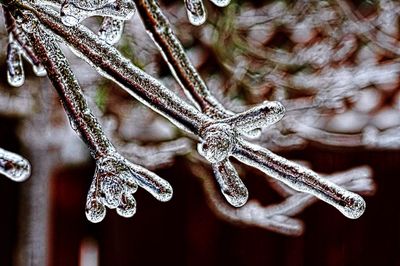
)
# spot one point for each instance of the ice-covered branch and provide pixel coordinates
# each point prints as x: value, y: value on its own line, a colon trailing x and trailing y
x: 116, y: 179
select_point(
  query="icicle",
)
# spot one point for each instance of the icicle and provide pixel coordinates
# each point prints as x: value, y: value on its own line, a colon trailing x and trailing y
x: 195, y: 11
x: 113, y: 179
x: 127, y: 207
x: 15, y: 70
x: 14, y: 166
x: 111, y: 30
x: 95, y: 211
x: 231, y: 185
x: 221, y: 3
x: 116, y: 179
x: 113, y: 186
x: 74, y: 11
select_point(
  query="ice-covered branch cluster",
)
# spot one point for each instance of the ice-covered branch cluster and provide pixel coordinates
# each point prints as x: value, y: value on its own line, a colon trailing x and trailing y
x: 36, y: 28
x: 116, y: 179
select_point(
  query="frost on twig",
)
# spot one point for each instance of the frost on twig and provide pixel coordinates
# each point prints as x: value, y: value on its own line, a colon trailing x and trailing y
x: 14, y: 166
x: 279, y: 217
x: 116, y: 179
x: 219, y: 138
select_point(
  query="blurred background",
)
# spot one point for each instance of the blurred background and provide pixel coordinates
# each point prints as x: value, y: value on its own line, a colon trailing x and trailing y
x: 333, y: 64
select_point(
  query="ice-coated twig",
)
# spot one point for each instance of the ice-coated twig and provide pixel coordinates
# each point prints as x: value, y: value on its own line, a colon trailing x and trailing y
x: 300, y: 178
x: 19, y: 46
x: 116, y: 179
x: 74, y: 11
x: 110, y: 63
x: 278, y: 217
x: 159, y: 28
x: 219, y: 138
x: 14, y: 166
